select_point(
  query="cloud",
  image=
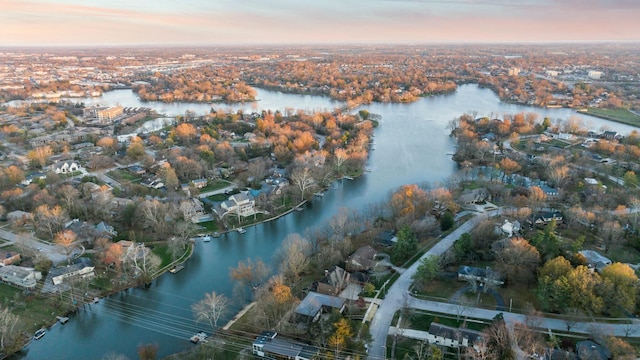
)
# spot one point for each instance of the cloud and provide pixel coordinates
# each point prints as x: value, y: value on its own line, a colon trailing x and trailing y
x: 33, y: 22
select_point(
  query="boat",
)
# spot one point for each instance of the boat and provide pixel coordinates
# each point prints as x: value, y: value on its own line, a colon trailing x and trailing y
x: 299, y: 208
x: 241, y: 230
x: 39, y: 334
x: 95, y: 300
x: 198, y: 338
x: 216, y: 234
x: 319, y: 194
x: 176, y: 268
x: 206, y: 238
x: 347, y: 177
x: 62, y: 319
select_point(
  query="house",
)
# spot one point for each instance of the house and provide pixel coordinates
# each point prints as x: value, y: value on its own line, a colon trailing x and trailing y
x: 66, y: 167
x: 480, y: 276
x: 362, y: 259
x: 81, y: 270
x: 475, y: 196
x: 590, y: 181
x: 611, y: 135
x: 193, y: 209
x: 239, y: 204
x: 137, y: 170
x: 199, y: 183
x: 546, y: 217
x: 334, y: 281
x: 152, y: 182
x: 591, y: 350
x: 510, y: 228
x: 452, y: 337
x: 314, y: 304
x: 268, y: 346
x: 36, y: 175
x: 104, y: 230
x: 556, y: 354
x: 22, y: 277
x: 18, y: 215
x: 9, y: 257
x: 595, y: 260
x: 548, y: 190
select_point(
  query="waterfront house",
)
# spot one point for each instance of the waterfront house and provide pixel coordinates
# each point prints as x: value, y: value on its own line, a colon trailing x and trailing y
x: 314, y: 304
x: 362, y: 259
x: 334, y: 281
x: 22, y: 277
x: 241, y: 205
x: 82, y: 269
x: 475, y: 196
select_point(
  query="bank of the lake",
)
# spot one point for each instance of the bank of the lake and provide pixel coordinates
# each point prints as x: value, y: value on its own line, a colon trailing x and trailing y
x: 411, y: 146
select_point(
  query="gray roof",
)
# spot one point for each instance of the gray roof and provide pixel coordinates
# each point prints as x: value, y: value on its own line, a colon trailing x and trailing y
x: 282, y: 347
x: 314, y: 302
x: 452, y: 333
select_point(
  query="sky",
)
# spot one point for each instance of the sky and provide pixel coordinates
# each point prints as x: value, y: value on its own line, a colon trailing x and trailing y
x: 247, y: 22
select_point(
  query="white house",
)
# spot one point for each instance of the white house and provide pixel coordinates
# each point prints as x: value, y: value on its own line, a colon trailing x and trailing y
x: 19, y: 276
x: 80, y: 270
x: 66, y: 167
x: 240, y: 205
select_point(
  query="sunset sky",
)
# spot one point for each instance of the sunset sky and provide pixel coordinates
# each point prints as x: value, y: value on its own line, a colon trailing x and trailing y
x: 237, y: 22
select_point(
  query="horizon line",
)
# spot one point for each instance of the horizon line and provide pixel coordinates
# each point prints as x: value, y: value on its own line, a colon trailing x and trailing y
x: 311, y: 44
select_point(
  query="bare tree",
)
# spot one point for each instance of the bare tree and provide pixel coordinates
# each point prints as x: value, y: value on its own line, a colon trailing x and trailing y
x: 571, y: 318
x: 49, y: 221
x: 302, y: 179
x: 294, y: 256
x: 250, y: 274
x: 211, y: 308
x: 8, y: 333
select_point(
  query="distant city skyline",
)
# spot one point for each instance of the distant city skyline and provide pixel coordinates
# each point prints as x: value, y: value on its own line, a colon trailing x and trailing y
x: 247, y: 22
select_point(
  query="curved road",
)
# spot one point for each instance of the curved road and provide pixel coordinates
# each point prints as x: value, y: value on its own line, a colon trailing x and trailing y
x: 397, y: 296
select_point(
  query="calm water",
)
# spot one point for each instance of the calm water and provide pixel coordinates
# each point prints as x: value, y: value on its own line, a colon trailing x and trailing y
x: 411, y: 145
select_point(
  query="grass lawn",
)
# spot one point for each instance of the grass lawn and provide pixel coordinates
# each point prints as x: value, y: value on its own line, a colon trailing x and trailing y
x: 439, y: 290
x: 520, y: 297
x: 218, y: 197
x: 619, y: 115
x: 404, y: 347
x: 123, y: 175
x: 34, y: 312
x: 215, y: 185
x: 625, y: 254
x: 210, y: 225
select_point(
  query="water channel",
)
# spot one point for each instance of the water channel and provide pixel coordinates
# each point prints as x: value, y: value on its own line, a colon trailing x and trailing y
x: 411, y: 146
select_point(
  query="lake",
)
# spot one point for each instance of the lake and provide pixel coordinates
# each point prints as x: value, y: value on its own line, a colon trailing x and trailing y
x: 411, y: 146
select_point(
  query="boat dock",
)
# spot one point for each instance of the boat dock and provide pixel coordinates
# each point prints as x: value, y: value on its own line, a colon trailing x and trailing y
x: 176, y: 268
x: 62, y: 319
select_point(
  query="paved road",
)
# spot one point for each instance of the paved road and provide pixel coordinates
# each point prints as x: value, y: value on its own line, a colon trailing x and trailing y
x: 398, y: 296
x: 51, y: 251
x: 620, y: 330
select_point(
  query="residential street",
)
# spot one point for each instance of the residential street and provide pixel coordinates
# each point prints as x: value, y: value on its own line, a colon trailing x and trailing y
x: 398, y: 297
x: 51, y: 251
x: 398, y: 294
